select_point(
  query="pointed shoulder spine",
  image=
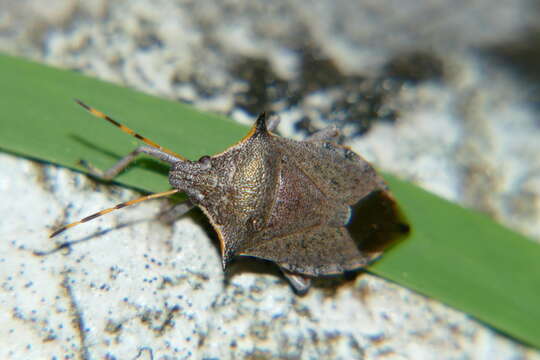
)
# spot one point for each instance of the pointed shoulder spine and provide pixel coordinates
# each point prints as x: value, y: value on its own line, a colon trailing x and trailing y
x: 260, y: 125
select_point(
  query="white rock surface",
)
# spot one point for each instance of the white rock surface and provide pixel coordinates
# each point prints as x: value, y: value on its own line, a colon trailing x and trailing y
x: 131, y: 287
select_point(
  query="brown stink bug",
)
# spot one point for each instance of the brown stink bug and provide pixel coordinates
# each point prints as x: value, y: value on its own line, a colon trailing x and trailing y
x: 272, y: 198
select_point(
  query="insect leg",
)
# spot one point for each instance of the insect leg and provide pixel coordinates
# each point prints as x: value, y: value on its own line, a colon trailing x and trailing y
x: 328, y: 133
x: 177, y: 211
x: 126, y: 160
x: 300, y: 283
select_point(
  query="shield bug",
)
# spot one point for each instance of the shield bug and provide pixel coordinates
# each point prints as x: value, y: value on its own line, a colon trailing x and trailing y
x: 274, y: 198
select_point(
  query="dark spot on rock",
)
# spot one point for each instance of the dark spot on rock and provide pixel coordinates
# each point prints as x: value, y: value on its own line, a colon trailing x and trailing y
x: 259, y: 354
x: 264, y: 87
x: 522, y: 57
x: 150, y: 40
x: 113, y: 327
x: 415, y: 67
x: 304, y: 125
x: 363, y: 102
x: 318, y: 71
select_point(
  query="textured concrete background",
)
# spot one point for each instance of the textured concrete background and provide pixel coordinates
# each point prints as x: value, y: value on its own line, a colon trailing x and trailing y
x: 442, y: 93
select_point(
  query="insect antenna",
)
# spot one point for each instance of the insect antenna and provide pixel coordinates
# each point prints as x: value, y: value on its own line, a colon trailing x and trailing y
x: 119, y: 206
x: 125, y: 129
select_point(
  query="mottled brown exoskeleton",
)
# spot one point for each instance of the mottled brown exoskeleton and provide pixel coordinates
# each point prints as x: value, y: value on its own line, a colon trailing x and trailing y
x: 272, y: 198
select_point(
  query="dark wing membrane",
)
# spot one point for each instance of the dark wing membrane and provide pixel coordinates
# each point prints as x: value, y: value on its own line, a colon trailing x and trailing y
x: 319, y: 250
x: 338, y: 172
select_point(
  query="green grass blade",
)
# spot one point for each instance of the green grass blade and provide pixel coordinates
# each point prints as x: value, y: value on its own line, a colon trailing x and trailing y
x: 454, y: 255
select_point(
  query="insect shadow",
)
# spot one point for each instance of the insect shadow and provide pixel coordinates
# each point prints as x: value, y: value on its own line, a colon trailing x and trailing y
x: 195, y: 214
x: 67, y: 245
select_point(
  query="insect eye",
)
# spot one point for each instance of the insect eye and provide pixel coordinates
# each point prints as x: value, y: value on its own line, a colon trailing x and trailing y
x: 205, y: 161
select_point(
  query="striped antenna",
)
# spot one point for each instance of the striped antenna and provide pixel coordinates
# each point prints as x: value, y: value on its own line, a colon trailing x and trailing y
x: 125, y: 129
x: 119, y: 206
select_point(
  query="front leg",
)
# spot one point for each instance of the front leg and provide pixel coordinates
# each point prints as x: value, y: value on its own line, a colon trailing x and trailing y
x: 177, y: 211
x: 126, y: 160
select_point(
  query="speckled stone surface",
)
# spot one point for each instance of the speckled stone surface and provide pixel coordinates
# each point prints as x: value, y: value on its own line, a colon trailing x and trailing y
x: 464, y: 124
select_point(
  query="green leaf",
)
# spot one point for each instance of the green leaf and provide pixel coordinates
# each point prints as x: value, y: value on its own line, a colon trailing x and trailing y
x: 454, y: 255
